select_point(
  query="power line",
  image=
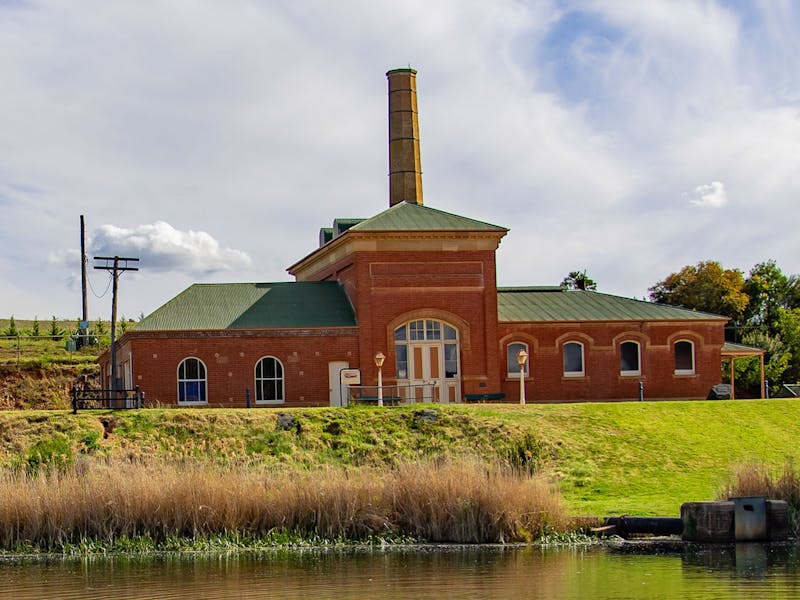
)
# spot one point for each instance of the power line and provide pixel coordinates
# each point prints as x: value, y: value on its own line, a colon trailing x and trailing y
x: 108, y: 286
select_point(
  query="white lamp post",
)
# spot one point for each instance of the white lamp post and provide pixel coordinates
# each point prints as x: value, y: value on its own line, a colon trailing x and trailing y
x: 379, y: 358
x: 522, y: 358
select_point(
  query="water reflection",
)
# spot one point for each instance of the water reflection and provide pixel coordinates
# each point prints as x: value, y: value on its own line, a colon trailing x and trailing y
x: 436, y: 572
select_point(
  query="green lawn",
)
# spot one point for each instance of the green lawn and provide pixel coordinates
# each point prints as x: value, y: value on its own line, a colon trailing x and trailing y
x: 648, y: 458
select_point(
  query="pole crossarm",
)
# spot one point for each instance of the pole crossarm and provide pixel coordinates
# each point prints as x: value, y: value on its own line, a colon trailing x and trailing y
x: 116, y: 263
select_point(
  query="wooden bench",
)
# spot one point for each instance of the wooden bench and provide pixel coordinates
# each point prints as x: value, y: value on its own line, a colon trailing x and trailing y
x: 484, y: 397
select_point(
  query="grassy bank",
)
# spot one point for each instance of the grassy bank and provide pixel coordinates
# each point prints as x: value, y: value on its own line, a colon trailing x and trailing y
x: 635, y: 458
x: 37, y: 369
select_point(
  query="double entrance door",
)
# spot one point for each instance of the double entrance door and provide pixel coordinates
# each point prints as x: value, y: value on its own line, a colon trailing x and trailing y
x: 429, y: 378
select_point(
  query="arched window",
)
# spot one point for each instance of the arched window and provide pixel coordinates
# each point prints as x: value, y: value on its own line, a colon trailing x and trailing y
x: 629, y: 358
x: 269, y: 381
x: 684, y: 357
x: 573, y: 359
x: 512, y: 350
x: 191, y: 381
x: 423, y: 331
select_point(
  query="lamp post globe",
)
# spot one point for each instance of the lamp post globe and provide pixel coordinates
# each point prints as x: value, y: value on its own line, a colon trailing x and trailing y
x: 379, y: 358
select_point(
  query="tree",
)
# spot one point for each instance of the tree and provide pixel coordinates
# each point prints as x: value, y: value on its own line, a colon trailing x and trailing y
x: 793, y: 291
x: 56, y: 333
x: 777, y: 360
x: 579, y: 280
x: 705, y: 287
x: 788, y: 327
x: 35, y: 330
x: 11, y: 330
x: 99, y: 329
x: 768, y: 289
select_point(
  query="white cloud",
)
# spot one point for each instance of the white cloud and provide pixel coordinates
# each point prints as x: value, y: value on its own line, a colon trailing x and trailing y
x: 709, y: 195
x: 161, y: 247
x: 263, y: 121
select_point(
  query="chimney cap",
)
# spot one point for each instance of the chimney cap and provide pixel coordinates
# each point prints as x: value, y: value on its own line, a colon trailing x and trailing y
x: 401, y: 70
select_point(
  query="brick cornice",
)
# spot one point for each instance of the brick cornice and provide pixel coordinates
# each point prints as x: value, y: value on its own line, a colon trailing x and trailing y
x: 352, y: 242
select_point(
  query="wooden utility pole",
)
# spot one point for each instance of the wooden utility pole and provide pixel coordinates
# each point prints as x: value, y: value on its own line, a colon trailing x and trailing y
x: 112, y: 263
x: 84, y: 328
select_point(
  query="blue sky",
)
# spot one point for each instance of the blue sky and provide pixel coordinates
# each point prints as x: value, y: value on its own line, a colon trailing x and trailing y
x: 213, y: 140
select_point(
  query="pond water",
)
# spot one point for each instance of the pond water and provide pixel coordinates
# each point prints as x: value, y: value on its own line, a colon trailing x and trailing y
x: 744, y: 571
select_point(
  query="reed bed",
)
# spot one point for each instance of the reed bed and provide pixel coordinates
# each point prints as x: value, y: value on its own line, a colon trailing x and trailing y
x: 462, y: 501
x: 758, y: 479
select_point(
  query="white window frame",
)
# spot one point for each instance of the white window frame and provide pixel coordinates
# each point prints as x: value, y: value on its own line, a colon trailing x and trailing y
x: 184, y: 381
x: 512, y: 349
x: 678, y: 371
x: 417, y: 331
x: 631, y: 372
x: 582, y: 372
x: 281, y: 380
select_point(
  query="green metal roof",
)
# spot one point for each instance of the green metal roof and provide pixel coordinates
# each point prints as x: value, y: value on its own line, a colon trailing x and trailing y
x: 731, y: 348
x: 559, y: 304
x: 406, y: 216
x: 341, y: 225
x: 218, y: 306
x: 325, y: 235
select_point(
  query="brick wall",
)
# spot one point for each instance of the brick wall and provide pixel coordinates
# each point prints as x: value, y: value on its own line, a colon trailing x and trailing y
x: 601, y: 342
x: 389, y: 287
x: 230, y: 359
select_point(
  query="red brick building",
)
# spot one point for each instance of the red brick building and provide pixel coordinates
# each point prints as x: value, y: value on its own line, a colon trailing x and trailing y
x: 417, y: 285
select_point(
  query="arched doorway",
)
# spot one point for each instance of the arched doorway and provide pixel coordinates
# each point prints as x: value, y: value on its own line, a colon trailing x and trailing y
x: 428, y: 360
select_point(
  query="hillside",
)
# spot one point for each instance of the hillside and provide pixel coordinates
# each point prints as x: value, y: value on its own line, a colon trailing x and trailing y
x: 37, y: 365
x: 636, y: 458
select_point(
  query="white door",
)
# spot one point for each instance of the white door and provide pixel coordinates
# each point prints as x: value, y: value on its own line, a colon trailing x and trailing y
x: 127, y: 379
x: 335, y: 382
x: 426, y: 372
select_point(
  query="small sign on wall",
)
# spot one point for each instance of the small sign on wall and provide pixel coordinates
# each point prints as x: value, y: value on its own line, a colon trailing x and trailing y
x: 350, y: 376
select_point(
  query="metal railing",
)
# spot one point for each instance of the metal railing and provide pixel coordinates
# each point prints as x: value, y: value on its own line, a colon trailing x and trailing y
x: 87, y: 399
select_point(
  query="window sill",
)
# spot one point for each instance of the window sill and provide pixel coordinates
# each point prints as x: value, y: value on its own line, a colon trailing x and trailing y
x: 269, y: 402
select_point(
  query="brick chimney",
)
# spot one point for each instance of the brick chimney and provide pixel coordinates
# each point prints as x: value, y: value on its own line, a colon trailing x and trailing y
x: 405, y: 169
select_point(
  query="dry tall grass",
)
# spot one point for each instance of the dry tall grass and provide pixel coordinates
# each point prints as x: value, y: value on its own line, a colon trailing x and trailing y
x: 756, y: 479
x: 458, y: 501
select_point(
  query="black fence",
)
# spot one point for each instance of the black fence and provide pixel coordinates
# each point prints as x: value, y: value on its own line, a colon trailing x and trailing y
x: 88, y: 399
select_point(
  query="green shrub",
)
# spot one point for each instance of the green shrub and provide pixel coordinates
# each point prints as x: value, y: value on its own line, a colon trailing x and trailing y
x: 55, y: 452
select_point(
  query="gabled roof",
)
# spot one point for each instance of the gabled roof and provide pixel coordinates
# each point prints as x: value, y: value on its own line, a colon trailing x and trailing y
x: 216, y: 306
x: 406, y: 216
x: 534, y: 304
x: 398, y: 220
